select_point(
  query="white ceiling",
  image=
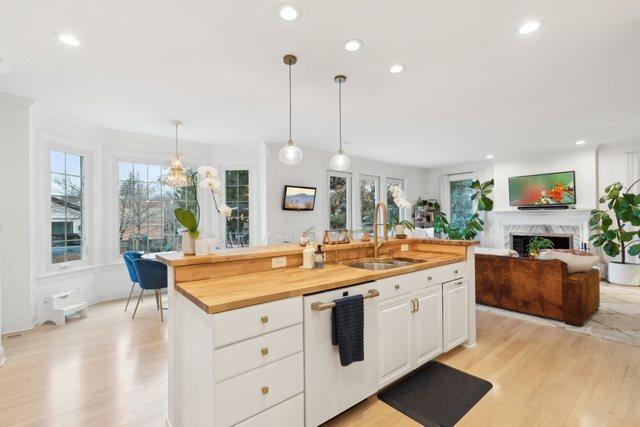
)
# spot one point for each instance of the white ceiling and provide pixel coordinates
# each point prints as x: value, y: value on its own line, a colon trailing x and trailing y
x: 473, y: 85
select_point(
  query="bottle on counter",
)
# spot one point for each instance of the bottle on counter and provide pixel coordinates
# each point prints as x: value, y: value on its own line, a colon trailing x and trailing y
x: 308, y: 256
x: 319, y: 258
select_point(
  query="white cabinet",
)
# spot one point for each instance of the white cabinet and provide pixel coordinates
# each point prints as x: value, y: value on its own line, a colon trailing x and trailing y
x: 427, y: 324
x: 455, y: 297
x: 394, y: 341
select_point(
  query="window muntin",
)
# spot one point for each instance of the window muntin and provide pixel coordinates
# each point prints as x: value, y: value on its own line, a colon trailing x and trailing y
x: 339, y: 201
x: 237, y: 198
x: 395, y: 214
x: 461, y: 204
x: 369, y: 189
x: 66, y: 201
x: 146, y: 219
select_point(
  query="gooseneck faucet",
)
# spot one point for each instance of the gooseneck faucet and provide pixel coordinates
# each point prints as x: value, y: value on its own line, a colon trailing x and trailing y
x: 377, y: 243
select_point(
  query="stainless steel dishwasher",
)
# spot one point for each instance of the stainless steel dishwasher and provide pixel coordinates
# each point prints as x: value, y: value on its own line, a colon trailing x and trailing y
x: 331, y: 388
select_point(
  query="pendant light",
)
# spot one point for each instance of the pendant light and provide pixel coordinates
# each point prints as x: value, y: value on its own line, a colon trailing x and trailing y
x: 340, y: 161
x: 177, y: 175
x: 290, y: 155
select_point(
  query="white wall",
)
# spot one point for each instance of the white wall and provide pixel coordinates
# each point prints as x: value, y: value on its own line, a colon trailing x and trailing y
x: 15, y: 212
x: 312, y: 172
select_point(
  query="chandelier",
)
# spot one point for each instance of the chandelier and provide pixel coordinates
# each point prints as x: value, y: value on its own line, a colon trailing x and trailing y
x: 177, y: 175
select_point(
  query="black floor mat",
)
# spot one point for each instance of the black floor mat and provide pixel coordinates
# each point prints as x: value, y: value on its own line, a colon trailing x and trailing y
x: 436, y: 394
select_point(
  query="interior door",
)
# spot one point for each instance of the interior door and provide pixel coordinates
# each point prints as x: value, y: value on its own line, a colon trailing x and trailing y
x: 395, y: 323
x: 427, y: 324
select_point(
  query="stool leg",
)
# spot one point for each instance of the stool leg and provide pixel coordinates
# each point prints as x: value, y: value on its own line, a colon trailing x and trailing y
x: 137, y: 304
x: 159, y: 296
x: 133, y: 285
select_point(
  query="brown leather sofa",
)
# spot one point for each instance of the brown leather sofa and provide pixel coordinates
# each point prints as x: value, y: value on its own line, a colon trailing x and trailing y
x: 539, y: 287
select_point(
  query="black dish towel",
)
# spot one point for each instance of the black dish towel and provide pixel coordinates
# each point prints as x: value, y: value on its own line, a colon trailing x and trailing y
x: 347, y: 328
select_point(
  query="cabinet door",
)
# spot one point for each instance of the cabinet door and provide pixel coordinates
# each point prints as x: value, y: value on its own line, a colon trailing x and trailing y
x: 395, y: 323
x: 455, y: 296
x: 427, y: 325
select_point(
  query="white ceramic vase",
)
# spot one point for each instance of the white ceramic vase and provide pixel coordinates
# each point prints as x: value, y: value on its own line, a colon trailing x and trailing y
x: 399, y: 229
x: 188, y: 244
x: 623, y: 274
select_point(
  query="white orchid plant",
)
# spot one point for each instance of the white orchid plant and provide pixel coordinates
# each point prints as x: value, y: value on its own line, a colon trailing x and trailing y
x: 399, y: 197
x: 210, y: 181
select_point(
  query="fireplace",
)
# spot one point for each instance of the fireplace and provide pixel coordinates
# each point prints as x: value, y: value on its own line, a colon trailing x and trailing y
x: 519, y: 242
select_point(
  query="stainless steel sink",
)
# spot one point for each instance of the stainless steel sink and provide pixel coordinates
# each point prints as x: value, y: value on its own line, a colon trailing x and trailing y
x: 381, y: 263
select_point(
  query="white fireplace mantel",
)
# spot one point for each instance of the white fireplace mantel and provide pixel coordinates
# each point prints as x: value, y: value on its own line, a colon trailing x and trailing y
x: 577, y: 220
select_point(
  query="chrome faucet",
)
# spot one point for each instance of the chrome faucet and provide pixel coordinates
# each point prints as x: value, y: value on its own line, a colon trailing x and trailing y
x: 376, y: 228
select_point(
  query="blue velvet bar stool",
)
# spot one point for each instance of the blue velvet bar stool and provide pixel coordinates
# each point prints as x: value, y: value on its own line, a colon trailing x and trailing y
x: 152, y: 275
x: 129, y: 256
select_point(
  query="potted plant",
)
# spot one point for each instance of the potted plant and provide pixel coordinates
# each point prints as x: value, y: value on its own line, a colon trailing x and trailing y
x: 188, y: 220
x: 400, y: 200
x: 615, y: 230
x: 474, y: 224
x: 537, y: 244
x: 399, y: 227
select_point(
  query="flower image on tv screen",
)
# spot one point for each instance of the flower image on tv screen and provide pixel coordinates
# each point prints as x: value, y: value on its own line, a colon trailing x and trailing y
x: 543, y: 190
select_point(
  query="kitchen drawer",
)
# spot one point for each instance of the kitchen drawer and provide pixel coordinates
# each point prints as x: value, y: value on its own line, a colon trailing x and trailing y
x: 442, y: 274
x: 241, y: 397
x: 242, y: 323
x: 391, y: 287
x: 244, y: 356
x: 289, y: 413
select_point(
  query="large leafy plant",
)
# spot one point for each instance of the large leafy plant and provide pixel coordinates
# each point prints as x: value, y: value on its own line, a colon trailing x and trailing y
x: 537, y: 244
x: 474, y: 224
x: 615, y: 228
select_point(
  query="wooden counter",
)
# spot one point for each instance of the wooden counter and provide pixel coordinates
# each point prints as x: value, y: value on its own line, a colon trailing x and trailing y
x: 227, y: 293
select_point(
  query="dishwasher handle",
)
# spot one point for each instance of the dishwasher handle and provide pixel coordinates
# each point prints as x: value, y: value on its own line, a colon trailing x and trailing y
x: 319, y: 306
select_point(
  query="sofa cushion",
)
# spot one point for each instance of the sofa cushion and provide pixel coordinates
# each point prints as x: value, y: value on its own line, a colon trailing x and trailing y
x: 576, y: 261
x: 422, y: 233
x: 496, y: 251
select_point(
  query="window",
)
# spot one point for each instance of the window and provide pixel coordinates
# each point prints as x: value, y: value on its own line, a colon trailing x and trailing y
x: 147, y: 222
x: 369, y: 188
x: 339, y: 201
x: 66, y: 207
x: 394, y: 212
x: 461, y: 203
x: 237, y: 198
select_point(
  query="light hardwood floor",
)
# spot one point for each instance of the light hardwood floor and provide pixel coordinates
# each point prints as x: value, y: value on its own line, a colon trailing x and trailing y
x: 111, y: 370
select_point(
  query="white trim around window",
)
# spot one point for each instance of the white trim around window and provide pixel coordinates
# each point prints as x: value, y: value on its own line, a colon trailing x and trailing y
x: 349, y: 197
x: 45, y: 143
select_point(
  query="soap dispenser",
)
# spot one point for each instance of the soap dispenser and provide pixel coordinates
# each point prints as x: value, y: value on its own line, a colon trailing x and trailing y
x: 308, y: 256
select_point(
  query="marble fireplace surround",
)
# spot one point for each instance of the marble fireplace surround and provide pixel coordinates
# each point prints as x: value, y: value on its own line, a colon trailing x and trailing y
x: 565, y: 222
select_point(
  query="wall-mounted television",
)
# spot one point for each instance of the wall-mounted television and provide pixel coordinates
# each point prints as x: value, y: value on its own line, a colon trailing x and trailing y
x: 543, y: 190
x: 297, y: 198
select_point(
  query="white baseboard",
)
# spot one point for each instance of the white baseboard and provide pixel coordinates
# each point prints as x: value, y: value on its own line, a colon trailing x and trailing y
x: 470, y: 345
x: 17, y: 326
x: 2, y: 359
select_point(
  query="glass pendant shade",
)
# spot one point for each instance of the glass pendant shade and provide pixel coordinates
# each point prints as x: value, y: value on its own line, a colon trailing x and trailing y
x: 177, y: 176
x: 340, y: 161
x: 290, y: 155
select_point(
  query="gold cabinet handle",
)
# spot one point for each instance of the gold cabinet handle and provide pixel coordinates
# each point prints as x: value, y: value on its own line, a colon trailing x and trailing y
x: 397, y: 286
x: 413, y: 305
x: 429, y: 277
x: 417, y: 304
x: 265, y: 390
x: 264, y: 319
x: 455, y: 271
x: 264, y: 351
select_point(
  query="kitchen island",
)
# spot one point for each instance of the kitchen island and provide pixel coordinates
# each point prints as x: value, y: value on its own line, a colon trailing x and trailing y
x: 249, y: 330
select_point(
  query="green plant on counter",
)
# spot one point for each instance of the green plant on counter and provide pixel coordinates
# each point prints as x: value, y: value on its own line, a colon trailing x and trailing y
x: 537, y: 244
x: 407, y: 224
x: 188, y: 221
x: 474, y: 224
x: 612, y: 227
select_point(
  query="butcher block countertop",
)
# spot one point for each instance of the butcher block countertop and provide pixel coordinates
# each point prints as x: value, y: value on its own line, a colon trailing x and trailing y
x: 228, y: 293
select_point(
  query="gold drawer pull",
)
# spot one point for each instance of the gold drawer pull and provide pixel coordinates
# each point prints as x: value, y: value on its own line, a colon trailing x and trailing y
x: 264, y: 351
x: 265, y: 390
x: 264, y: 319
x: 429, y: 277
x: 397, y: 286
x: 455, y: 271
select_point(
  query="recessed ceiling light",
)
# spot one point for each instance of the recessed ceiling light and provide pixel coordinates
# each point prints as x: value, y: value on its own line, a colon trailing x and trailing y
x: 529, y: 27
x: 489, y: 156
x: 352, y: 45
x: 68, y: 39
x: 397, y: 68
x: 288, y: 12
x: 581, y: 142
